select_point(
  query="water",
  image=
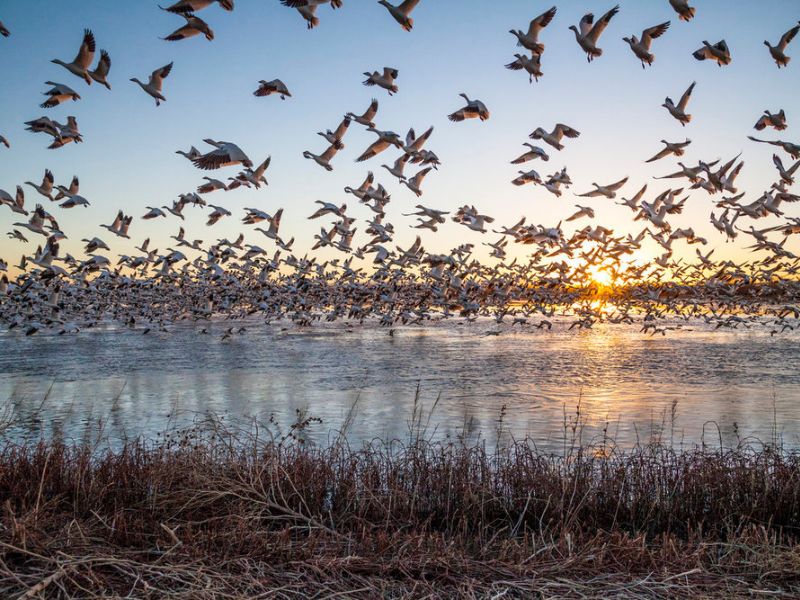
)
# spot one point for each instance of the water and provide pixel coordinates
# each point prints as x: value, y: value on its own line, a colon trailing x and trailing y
x: 728, y: 384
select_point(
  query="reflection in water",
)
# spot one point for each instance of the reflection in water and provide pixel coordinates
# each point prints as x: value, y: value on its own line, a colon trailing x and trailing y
x: 134, y: 384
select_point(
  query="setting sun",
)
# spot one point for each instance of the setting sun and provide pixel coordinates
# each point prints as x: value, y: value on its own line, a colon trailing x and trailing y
x: 601, y: 276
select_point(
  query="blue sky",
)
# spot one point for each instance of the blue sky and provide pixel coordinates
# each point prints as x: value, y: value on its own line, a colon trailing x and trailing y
x: 128, y: 159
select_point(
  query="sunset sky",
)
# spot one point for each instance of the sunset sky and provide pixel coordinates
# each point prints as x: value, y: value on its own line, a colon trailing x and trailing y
x: 128, y: 158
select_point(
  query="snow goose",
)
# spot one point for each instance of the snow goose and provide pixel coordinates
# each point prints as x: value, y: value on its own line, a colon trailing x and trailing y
x: 532, y: 154
x: 276, y: 86
x: 74, y: 188
x: 475, y: 109
x: 416, y: 181
x: 676, y: 148
x: 192, y: 6
x: 589, y: 33
x: 211, y: 185
x: 120, y: 225
x: 401, y: 12
x: 399, y: 165
x: 224, y: 155
x: 385, y: 80
x: 787, y: 175
x: 154, y: 85
x: 583, y: 211
x: 609, y: 191
x: 324, y: 159
x: 532, y: 66
x: 100, y: 73
x: 775, y: 120
x: 641, y: 47
x: 719, y: 52
x: 685, y: 12
x: 193, y: 26
x: 367, y: 118
x: 36, y: 222
x: 335, y: 137
x: 530, y: 40
x: 326, y: 208
x: 413, y: 143
x: 66, y: 134
x: 57, y: 94
x: 80, y: 66
x: 385, y: 139
x: 72, y: 200
x: 679, y: 111
x: 217, y: 214
x: 791, y: 149
x: 153, y: 213
x: 526, y: 177
x: 308, y: 9
x: 16, y: 204
x: 46, y: 187
x: 192, y: 154
x: 778, y: 52
x: 554, y: 137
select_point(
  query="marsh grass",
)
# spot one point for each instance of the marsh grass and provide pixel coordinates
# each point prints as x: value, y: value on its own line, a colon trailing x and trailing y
x: 220, y: 512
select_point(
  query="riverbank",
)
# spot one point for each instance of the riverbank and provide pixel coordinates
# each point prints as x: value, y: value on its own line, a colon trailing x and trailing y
x: 212, y: 513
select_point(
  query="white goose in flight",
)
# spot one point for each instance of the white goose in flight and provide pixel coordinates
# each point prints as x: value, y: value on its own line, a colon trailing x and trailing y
x: 475, y: 109
x: 609, y: 191
x: 641, y: 47
x: 530, y: 40
x: 414, y: 144
x: 46, y: 187
x: 584, y: 211
x: 211, y: 185
x: 532, y: 154
x: 217, y: 214
x: 154, y: 85
x: 120, y: 225
x: 554, y: 137
x: 679, y: 111
x: 787, y: 175
x: 790, y: 148
x: 276, y: 86
x: 589, y: 33
x: 719, y: 53
x: 402, y: 12
x: 80, y: 66
x: 367, y: 118
x: 385, y: 139
x: 532, y: 66
x: 100, y: 74
x: 324, y: 159
x: 193, y: 26
x: 397, y: 169
x: 335, y: 137
x: 685, y: 12
x: 57, y: 94
x: 308, y: 9
x: 676, y: 148
x: 775, y: 120
x: 416, y: 181
x: 17, y: 203
x: 224, y: 155
x: 385, y: 80
x: 153, y: 213
x: 526, y: 177
x: 192, y: 6
x: 778, y: 51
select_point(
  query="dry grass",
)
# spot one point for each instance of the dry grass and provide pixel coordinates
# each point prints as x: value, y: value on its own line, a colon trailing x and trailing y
x: 212, y: 513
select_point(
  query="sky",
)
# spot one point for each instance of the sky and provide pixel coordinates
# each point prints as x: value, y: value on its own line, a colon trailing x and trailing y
x: 128, y: 159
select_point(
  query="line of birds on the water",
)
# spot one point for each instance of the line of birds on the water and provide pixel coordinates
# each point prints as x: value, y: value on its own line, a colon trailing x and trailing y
x: 236, y: 279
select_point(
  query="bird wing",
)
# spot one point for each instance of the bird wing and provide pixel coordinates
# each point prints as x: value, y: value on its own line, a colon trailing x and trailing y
x: 104, y: 65
x: 86, y: 53
x: 788, y: 36
x: 778, y: 162
x: 417, y: 179
x: 376, y: 147
x: 158, y: 76
x: 390, y: 73
x: 660, y: 155
x: 586, y: 23
x: 651, y: 33
x: 371, y: 111
x: 407, y: 6
x: 601, y: 24
x: 565, y: 130
x: 330, y: 152
x: 212, y: 160
x: 615, y: 186
x: 540, y: 22
x: 340, y: 131
x: 685, y: 98
x: 457, y: 116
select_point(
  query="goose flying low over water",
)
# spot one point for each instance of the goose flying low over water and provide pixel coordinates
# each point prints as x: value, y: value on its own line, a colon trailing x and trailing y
x: 679, y: 111
x: 641, y: 47
x: 401, y: 12
x: 554, y: 137
x: 588, y: 33
x: 154, y: 86
x: 308, y: 9
x: 475, y: 109
x: 57, y: 94
x: 685, y: 12
x: 385, y: 80
x: 192, y: 6
x: 194, y: 26
x: 80, y: 66
x: 671, y: 148
x: 778, y: 51
x: 777, y: 121
x: 530, y: 40
x: 719, y: 52
x: 276, y: 86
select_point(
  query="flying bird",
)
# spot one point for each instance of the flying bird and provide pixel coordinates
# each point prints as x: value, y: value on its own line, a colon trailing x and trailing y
x: 80, y: 66
x: 778, y: 51
x: 685, y: 12
x: 589, y: 33
x: 719, y: 52
x: 475, y: 109
x: 193, y: 26
x: 308, y: 9
x: 57, y: 94
x: 385, y: 80
x: 154, y: 85
x: 671, y: 148
x: 100, y: 72
x: 276, y: 86
x: 224, y: 155
x: 192, y: 6
x: 530, y: 40
x: 402, y: 12
x: 679, y: 111
x: 641, y: 47
x: 554, y: 137
x: 777, y: 121
x: 366, y: 119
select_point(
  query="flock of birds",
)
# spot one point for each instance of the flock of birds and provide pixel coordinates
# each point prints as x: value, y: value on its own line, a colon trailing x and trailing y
x: 234, y: 279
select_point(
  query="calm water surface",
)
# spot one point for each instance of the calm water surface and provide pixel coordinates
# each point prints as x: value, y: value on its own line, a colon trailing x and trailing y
x: 741, y: 382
